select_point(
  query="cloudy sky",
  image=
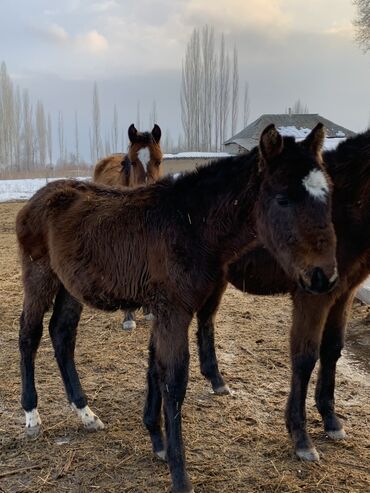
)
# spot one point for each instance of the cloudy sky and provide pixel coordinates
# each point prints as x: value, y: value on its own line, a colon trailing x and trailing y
x: 133, y: 49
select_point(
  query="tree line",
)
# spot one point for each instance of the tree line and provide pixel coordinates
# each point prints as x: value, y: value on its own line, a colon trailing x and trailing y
x: 209, y: 95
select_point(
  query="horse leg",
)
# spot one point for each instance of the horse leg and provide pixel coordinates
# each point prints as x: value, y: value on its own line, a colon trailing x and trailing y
x: 153, y: 404
x: 148, y: 315
x: 129, y: 320
x: 40, y: 286
x: 330, y: 351
x: 309, y: 316
x: 206, y: 341
x: 63, y: 330
x: 170, y: 339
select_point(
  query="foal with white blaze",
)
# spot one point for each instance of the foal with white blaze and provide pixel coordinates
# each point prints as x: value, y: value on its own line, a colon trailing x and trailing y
x: 183, y: 235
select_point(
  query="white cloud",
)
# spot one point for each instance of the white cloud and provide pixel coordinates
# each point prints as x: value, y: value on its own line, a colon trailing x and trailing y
x: 57, y: 33
x: 241, y: 13
x: 92, y: 42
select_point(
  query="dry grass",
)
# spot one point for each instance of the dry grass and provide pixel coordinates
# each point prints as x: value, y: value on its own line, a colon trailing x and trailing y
x: 234, y: 444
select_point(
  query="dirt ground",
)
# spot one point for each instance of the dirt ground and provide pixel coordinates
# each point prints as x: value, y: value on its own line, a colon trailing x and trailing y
x: 236, y: 443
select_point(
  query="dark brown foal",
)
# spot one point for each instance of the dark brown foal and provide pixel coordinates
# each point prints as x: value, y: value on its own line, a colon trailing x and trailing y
x: 78, y: 241
x: 318, y: 325
x: 142, y: 165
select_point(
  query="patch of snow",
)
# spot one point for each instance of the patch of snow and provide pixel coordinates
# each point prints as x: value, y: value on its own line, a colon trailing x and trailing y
x: 25, y: 188
x: 340, y: 134
x: 332, y: 143
x: 363, y: 293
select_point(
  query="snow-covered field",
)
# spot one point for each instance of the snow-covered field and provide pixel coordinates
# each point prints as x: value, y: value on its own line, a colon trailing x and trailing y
x: 25, y: 188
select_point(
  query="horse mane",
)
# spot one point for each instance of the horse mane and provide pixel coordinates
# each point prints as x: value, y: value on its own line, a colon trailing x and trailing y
x: 349, y: 163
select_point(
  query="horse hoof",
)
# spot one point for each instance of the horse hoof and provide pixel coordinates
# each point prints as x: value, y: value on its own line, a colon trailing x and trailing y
x: 336, y: 434
x: 129, y: 325
x: 162, y: 455
x: 149, y: 317
x: 33, y: 423
x: 308, y: 454
x: 90, y: 420
x: 33, y: 431
x: 223, y: 390
x: 95, y: 425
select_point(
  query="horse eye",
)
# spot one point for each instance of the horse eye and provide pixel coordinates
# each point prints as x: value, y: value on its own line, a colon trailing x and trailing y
x: 158, y: 163
x: 282, y: 200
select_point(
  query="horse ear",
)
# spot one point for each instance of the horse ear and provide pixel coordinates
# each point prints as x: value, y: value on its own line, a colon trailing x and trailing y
x: 271, y: 143
x: 157, y: 133
x: 315, y: 140
x: 132, y: 133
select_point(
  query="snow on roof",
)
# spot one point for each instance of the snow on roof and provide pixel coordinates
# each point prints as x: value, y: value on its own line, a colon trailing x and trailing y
x: 293, y: 131
x: 196, y: 154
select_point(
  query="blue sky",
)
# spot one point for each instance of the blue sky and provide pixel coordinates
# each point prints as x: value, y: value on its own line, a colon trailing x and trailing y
x: 133, y: 49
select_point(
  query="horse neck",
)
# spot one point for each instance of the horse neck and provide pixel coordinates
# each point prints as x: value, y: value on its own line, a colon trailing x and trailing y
x: 349, y: 168
x: 219, y: 206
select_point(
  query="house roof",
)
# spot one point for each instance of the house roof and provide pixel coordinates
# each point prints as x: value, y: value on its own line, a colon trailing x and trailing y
x: 296, y: 125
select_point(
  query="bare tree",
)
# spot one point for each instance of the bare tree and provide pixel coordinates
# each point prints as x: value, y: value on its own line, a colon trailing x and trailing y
x: 208, y: 84
x: 41, y: 133
x: 96, y: 136
x: 224, y: 90
x: 138, y: 122
x: 6, y: 117
x: 191, y: 92
x: 235, y: 93
x: 153, y: 116
x: 50, y: 141
x: 28, y: 140
x: 107, y: 145
x: 299, y: 108
x: 246, y: 105
x: 17, y: 128
x: 77, y: 141
x: 115, y: 130
x: 62, y: 156
x: 362, y: 23
x: 205, y: 91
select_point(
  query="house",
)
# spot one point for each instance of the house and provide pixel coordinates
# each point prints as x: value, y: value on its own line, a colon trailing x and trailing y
x: 296, y: 125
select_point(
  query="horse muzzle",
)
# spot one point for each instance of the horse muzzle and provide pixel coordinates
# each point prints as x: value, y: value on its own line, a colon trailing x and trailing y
x: 318, y: 282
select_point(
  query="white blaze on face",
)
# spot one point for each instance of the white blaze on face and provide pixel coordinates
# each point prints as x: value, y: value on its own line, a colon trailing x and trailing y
x: 144, y: 156
x: 316, y: 184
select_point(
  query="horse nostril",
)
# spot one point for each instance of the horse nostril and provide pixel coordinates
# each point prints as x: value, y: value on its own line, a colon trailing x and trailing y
x: 319, y: 282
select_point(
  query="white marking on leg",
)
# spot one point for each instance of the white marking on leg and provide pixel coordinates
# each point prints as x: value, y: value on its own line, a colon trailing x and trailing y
x: 129, y: 324
x: 336, y: 434
x: 32, y: 418
x: 144, y: 156
x: 88, y: 418
x: 33, y: 422
x: 161, y: 454
x: 316, y: 184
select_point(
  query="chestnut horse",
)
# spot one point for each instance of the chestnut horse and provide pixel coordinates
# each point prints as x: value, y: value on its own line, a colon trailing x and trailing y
x: 141, y: 165
x: 319, y: 322
x: 77, y: 241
